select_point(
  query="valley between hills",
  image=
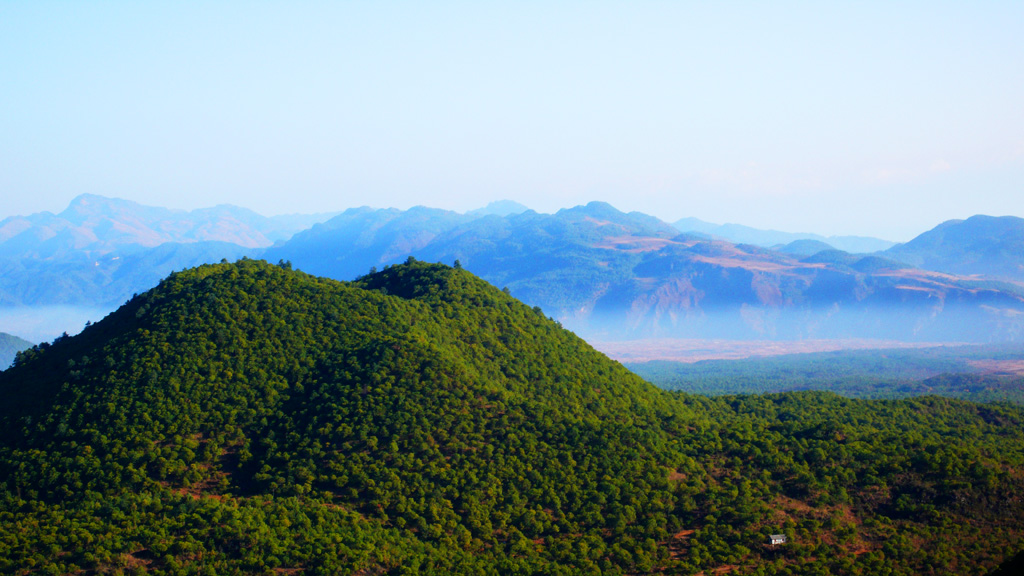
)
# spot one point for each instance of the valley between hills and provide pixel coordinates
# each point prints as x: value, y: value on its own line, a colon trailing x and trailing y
x: 248, y: 418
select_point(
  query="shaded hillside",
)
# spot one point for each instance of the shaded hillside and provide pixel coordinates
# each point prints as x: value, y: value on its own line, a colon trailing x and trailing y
x: 9, y: 346
x: 247, y: 418
x: 985, y: 245
x: 1012, y: 567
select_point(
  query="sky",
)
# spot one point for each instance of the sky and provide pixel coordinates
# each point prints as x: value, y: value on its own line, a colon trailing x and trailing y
x: 868, y: 118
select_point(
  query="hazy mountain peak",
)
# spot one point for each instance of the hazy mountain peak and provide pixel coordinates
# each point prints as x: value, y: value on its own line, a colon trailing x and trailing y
x: 90, y: 202
x: 806, y: 247
x: 605, y: 220
x: 86, y: 207
x: 597, y: 211
x: 421, y: 209
x: 499, y: 208
x: 100, y: 225
x: 595, y: 207
x: 988, y: 245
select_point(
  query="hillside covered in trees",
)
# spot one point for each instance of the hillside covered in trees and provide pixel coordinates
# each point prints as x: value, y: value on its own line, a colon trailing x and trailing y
x: 981, y: 373
x: 247, y: 418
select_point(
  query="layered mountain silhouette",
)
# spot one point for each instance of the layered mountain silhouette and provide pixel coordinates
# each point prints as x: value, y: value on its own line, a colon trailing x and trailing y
x: 100, y: 225
x: 602, y: 272
x: 347, y: 245
x: 613, y: 275
x: 100, y: 250
x: 250, y: 418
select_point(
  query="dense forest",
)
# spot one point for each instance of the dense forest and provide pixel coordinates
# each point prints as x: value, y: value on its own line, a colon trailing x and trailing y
x: 248, y: 418
x: 980, y: 373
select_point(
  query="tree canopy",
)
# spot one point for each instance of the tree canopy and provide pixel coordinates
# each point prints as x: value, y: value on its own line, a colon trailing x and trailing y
x: 249, y: 418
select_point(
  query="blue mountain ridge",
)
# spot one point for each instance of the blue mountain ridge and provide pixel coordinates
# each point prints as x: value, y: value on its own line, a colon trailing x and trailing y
x: 602, y: 272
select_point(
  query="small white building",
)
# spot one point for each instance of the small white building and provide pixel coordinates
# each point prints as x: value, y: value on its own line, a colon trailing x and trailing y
x: 776, y: 539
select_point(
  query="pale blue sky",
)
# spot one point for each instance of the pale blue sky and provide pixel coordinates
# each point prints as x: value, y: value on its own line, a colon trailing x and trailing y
x: 838, y: 118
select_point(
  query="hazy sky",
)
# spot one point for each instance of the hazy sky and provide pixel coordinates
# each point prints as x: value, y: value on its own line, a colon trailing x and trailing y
x: 867, y: 118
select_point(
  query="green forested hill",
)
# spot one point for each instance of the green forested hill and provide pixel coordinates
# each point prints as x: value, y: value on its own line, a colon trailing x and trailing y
x: 247, y: 418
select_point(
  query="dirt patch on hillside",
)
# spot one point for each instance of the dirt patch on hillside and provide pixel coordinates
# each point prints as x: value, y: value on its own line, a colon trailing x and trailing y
x: 634, y: 244
x: 1011, y: 367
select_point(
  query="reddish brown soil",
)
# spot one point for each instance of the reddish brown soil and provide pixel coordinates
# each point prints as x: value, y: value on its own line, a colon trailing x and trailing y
x: 1012, y: 367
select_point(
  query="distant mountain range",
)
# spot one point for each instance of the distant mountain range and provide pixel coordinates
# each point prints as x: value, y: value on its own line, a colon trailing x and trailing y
x: 612, y: 275
x: 101, y: 225
x: 602, y: 272
x: 101, y: 250
x: 739, y: 234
